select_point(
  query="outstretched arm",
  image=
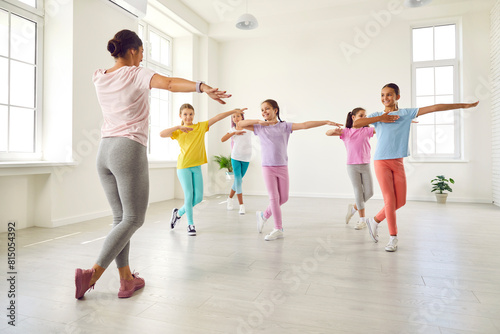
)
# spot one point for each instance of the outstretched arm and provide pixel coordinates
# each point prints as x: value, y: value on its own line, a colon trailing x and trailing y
x: 248, y: 124
x: 443, y: 107
x: 384, y: 118
x: 312, y: 124
x: 334, y: 132
x: 168, y: 132
x: 179, y: 85
x: 223, y: 115
x: 230, y: 134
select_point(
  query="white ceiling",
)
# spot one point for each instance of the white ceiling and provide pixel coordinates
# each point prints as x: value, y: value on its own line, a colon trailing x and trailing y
x: 218, y: 11
x: 285, y: 16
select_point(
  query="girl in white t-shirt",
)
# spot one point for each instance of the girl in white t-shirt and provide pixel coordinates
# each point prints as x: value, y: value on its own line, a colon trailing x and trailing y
x: 241, y: 153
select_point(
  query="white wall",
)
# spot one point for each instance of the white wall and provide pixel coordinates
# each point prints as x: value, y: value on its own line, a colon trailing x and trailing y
x: 495, y: 75
x: 312, y: 79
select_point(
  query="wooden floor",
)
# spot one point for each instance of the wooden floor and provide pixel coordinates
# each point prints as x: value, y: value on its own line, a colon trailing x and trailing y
x: 323, y: 277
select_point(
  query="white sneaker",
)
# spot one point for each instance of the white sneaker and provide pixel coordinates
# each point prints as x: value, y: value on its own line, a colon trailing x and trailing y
x: 275, y: 234
x: 372, y: 228
x: 260, y: 220
x: 392, y: 246
x: 242, y: 209
x: 230, y: 205
x: 361, y: 224
x: 350, y: 212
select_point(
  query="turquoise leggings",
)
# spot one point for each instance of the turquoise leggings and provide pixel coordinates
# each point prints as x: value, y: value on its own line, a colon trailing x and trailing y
x: 239, y: 170
x: 192, y: 184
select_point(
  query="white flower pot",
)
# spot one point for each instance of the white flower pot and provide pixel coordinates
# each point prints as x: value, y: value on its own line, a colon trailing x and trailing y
x: 441, y: 198
x: 229, y: 176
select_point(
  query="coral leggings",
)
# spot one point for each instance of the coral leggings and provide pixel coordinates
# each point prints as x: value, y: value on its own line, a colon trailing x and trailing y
x: 392, y: 180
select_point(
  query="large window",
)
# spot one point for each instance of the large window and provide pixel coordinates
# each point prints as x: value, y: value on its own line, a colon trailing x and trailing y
x: 158, y: 57
x: 435, y: 71
x: 20, y: 96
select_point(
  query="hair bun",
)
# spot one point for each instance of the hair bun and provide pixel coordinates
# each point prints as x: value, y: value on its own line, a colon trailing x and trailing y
x: 114, y: 47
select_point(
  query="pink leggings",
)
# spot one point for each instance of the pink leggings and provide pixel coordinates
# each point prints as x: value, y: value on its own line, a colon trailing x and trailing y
x: 392, y: 180
x: 277, y: 183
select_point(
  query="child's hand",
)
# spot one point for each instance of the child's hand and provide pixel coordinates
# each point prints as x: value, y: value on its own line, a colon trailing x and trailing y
x: 241, y: 111
x: 386, y: 118
x: 185, y: 129
x: 333, y: 124
x: 470, y: 105
x: 239, y: 132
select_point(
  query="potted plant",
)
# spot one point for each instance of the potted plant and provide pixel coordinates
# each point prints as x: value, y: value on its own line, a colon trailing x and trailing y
x: 440, y: 184
x: 225, y: 162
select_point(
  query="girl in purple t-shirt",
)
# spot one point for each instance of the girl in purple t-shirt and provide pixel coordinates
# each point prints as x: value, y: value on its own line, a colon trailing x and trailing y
x: 357, y: 144
x: 274, y: 134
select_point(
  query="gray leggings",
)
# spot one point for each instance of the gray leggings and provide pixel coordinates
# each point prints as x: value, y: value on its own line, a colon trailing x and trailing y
x: 361, y: 179
x: 122, y: 165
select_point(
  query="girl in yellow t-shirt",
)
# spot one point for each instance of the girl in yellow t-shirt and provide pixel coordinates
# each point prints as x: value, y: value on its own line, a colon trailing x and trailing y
x: 191, y: 138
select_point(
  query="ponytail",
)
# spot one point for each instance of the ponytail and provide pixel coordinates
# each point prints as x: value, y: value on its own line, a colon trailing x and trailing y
x: 349, y: 121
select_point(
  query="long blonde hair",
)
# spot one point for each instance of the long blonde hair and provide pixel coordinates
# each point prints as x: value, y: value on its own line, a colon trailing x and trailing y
x: 185, y: 106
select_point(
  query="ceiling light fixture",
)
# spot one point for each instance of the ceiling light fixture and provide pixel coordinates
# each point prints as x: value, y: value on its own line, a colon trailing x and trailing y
x: 416, y: 3
x: 247, y: 21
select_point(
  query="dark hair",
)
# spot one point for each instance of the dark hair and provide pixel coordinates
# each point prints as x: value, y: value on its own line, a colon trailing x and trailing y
x: 233, y: 125
x: 396, y: 90
x: 122, y: 42
x: 393, y: 86
x: 274, y: 105
x: 349, y: 122
x: 185, y: 106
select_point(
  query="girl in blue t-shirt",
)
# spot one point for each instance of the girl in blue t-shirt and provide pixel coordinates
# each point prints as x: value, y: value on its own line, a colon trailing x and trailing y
x: 393, y: 131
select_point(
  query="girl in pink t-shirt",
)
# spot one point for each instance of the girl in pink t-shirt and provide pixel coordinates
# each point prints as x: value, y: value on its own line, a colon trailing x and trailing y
x: 274, y: 134
x: 357, y: 144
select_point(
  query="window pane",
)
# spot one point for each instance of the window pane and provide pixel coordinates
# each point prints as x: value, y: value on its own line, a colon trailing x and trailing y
x: 165, y: 45
x: 163, y: 117
x: 31, y: 3
x: 4, y: 33
x: 444, y: 99
x: 23, y: 39
x: 425, y: 135
x: 445, y: 117
x: 424, y: 101
x: 22, y: 84
x: 154, y: 41
x: 4, y: 121
x: 425, y: 81
x: 4, y: 80
x: 445, y: 139
x: 140, y: 32
x: 444, y: 80
x: 444, y: 42
x: 423, y: 44
x: 155, y: 112
x: 22, y: 130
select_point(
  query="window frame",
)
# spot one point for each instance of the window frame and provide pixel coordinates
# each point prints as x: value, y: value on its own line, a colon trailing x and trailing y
x: 458, y: 154
x: 36, y: 15
x: 162, y: 69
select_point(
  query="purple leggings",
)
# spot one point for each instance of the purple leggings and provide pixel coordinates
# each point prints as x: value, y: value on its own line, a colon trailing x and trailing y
x: 277, y: 183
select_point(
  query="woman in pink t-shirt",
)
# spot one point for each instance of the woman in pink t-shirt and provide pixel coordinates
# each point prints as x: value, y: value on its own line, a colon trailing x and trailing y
x: 357, y: 144
x: 122, y: 164
x: 274, y: 134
